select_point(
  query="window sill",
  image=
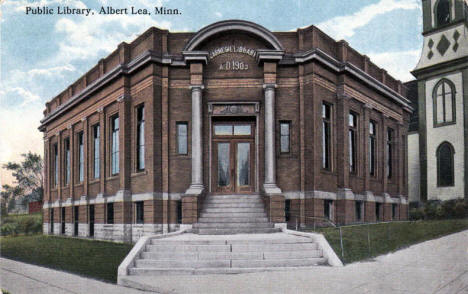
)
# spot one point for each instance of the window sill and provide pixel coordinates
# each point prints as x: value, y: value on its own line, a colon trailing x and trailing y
x: 113, y: 177
x: 328, y: 172
x: 94, y: 181
x: 80, y: 184
x: 139, y: 173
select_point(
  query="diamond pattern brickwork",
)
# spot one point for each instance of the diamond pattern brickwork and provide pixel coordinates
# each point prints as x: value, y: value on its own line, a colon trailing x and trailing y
x: 443, y: 45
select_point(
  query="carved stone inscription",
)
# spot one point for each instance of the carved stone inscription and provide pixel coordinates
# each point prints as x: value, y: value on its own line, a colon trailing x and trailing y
x: 232, y: 60
x: 227, y: 109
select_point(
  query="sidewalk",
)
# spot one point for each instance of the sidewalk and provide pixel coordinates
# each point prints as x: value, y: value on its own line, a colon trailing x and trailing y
x: 438, y: 266
x: 22, y: 278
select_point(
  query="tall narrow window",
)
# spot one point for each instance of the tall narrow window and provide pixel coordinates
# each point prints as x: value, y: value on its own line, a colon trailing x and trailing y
x: 372, y: 147
x: 56, y: 168
x: 358, y: 210
x: 139, y: 212
x: 110, y: 213
x: 97, y: 156
x: 80, y: 157
x: 285, y: 136
x: 444, y: 103
x: 352, y: 131
x: 182, y: 138
x: 377, y: 211
x: 445, y: 165
x: 140, y: 138
x: 394, y: 210
x: 63, y: 220
x: 326, y: 136
x: 67, y: 161
x: 328, y: 209
x: 443, y: 12
x: 115, y: 145
x: 389, y: 152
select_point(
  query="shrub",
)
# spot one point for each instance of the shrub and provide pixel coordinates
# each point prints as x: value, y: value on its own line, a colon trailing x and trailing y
x: 416, y: 213
x: 435, y: 209
x: 9, y: 229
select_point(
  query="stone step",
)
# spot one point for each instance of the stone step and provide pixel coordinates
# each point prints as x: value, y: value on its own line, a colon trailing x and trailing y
x: 237, y: 231
x: 208, y: 219
x: 233, y: 209
x: 219, y: 225
x: 231, y: 241
x: 186, y: 247
x: 152, y: 263
x: 273, y: 247
x: 253, y: 196
x: 202, y: 271
x: 231, y: 255
x: 234, y: 205
x: 278, y: 262
x: 233, y: 214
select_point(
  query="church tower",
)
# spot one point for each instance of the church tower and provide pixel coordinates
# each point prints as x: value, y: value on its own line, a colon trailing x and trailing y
x: 442, y: 86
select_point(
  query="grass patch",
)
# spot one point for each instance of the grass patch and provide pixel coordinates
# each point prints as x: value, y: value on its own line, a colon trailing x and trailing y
x: 387, y: 237
x: 95, y: 259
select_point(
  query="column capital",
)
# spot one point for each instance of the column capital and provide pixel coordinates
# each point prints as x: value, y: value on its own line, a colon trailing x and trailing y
x: 269, y: 86
x: 123, y: 98
x: 197, y: 87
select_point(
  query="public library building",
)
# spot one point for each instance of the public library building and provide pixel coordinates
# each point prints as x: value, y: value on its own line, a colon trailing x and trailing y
x: 140, y: 142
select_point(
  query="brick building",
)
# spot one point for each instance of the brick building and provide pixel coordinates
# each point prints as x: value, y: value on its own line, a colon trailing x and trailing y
x: 138, y: 143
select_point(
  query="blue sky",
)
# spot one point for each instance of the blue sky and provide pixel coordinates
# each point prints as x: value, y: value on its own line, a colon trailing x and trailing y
x: 42, y: 54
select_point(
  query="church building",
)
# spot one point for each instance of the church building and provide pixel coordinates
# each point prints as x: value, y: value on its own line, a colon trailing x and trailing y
x: 167, y: 124
x: 438, y: 137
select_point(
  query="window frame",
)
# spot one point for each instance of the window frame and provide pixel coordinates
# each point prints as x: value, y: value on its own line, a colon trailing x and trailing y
x: 389, y: 149
x: 353, y: 132
x: 178, y: 150
x: 442, y: 83
x: 438, y: 167
x: 96, y: 151
x: 436, y: 17
x: 358, y: 206
x: 109, y: 215
x: 139, y: 212
x: 288, y: 135
x: 80, y: 155
x: 327, y: 157
x: 140, y: 162
x: 114, y: 137
x: 372, y: 141
x: 66, y: 161
x: 56, y: 165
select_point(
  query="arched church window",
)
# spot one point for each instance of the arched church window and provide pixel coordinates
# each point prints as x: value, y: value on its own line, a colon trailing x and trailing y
x: 444, y: 103
x: 443, y: 12
x: 445, y: 165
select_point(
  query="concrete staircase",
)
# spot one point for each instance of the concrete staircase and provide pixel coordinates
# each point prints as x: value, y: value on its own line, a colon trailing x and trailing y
x: 233, y: 214
x: 198, y: 254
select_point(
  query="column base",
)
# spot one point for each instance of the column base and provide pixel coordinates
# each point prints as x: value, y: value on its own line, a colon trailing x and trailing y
x: 271, y: 189
x: 195, y: 189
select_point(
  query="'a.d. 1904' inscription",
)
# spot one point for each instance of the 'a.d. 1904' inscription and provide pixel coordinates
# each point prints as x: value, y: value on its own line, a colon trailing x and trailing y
x: 233, y: 65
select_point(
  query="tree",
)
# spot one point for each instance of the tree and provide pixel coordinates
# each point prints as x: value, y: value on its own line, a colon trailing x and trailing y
x: 9, y: 195
x: 29, y: 174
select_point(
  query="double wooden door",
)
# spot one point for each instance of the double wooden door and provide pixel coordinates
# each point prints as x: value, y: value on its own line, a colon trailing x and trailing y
x: 233, y: 157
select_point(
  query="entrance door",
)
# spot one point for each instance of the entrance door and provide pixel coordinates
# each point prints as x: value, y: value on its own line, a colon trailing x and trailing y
x: 233, y: 157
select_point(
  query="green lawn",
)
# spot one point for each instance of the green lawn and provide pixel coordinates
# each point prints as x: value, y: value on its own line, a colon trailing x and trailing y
x: 95, y: 259
x: 387, y: 237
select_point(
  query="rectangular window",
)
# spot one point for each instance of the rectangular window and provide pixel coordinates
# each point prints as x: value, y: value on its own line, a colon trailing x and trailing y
x: 67, y: 161
x: 284, y: 136
x: 394, y: 210
x: 179, y: 211
x: 140, y: 138
x: 76, y: 210
x: 352, y: 131
x: 110, y: 213
x: 287, y: 210
x: 80, y: 157
x: 56, y: 168
x: 182, y: 138
x: 372, y: 147
x: 328, y: 209
x: 115, y: 145
x: 97, y: 153
x: 358, y: 208
x: 389, y: 153
x: 139, y: 212
x: 377, y: 211
x: 326, y: 136
x: 63, y: 220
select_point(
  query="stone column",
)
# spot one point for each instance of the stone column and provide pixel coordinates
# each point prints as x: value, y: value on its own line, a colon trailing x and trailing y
x: 270, y: 186
x: 196, y: 187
